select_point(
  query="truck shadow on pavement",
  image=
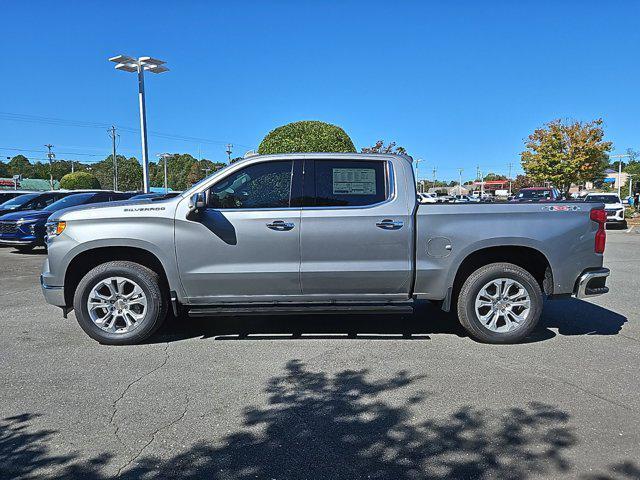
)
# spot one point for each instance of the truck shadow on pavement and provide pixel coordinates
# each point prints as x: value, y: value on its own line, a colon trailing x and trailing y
x: 333, y: 426
x: 567, y: 317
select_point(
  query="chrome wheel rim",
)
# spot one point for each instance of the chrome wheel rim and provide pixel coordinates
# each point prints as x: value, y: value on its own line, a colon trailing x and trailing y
x: 117, y: 305
x: 502, y: 305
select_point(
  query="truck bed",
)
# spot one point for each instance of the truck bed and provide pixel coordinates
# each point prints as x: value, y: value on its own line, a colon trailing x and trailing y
x: 447, y: 234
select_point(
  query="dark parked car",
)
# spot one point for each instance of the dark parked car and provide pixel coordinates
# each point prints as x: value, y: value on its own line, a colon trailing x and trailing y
x: 538, y: 194
x: 152, y: 195
x: 31, y: 201
x: 6, y: 195
x: 25, y: 229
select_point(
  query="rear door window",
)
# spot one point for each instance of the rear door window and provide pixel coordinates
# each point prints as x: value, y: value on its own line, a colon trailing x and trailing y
x: 345, y: 183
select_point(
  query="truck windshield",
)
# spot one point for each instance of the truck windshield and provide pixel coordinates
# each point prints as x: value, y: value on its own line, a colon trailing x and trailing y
x: 18, y: 201
x: 602, y: 198
x: 534, y: 194
x: 70, y: 201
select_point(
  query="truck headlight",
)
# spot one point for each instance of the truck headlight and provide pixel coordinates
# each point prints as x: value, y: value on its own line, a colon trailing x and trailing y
x: 55, y: 228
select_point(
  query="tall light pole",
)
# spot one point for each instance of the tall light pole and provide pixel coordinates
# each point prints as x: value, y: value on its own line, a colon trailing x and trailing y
x: 510, y: 167
x: 619, y: 157
x: 460, y: 170
x: 139, y: 65
x: 164, y: 157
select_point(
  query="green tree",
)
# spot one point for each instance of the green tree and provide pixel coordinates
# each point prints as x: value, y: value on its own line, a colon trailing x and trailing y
x: 79, y: 180
x: 129, y: 173
x: 4, y: 169
x: 521, y: 181
x: 380, y: 147
x: 202, y: 168
x: 306, y: 136
x: 490, y: 177
x: 20, y: 165
x: 566, y: 153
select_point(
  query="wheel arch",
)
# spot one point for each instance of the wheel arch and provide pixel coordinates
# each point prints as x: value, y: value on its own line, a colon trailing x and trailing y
x: 90, y: 258
x: 530, y: 258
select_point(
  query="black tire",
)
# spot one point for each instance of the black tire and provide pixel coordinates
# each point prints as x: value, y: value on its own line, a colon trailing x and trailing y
x: 471, y: 288
x: 150, y: 283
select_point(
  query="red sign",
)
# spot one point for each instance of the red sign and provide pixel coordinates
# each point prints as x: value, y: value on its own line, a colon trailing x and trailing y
x: 7, y: 183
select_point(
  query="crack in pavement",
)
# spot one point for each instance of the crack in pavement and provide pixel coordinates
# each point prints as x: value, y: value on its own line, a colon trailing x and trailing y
x: 114, y: 405
x: 153, y: 436
x: 546, y: 374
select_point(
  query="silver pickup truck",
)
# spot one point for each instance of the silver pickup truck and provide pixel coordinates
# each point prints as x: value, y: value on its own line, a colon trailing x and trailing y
x: 318, y: 233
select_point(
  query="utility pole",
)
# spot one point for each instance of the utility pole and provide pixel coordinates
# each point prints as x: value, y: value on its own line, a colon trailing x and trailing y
x: 418, y: 160
x: 112, y: 134
x: 164, y: 156
x: 510, y: 167
x: 206, y: 171
x: 434, y: 176
x: 619, y: 157
x: 51, y: 156
x: 229, y: 147
x: 460, y: 170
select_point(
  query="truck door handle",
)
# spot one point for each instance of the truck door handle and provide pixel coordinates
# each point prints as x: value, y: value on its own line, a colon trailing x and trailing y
x: 388, y: 224
x: 280, y: 225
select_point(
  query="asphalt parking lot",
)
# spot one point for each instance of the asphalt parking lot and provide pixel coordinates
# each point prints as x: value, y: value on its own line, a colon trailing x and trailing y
x: 386, y: 397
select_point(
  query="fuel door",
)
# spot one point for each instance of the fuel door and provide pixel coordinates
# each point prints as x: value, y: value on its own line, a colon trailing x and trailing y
x: 439, y: 247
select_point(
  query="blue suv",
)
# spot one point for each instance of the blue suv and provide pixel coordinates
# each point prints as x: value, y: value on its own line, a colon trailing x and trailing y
x: 26, y: 229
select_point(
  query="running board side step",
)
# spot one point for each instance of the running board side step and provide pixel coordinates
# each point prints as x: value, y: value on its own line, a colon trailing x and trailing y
x: 280, y: 309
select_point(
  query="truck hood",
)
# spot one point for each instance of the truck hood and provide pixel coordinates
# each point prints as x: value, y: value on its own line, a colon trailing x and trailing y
x: 26, y: 215
x: 116, y: 209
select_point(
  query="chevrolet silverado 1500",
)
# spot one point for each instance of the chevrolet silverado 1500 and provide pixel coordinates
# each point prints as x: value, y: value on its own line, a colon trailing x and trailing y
x: 323, y: 233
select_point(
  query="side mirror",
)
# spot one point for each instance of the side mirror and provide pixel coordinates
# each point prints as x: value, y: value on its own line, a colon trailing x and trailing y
x: 197, y: 202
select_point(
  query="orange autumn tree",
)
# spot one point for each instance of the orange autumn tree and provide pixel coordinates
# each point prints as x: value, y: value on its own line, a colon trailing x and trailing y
x: 565, y: 153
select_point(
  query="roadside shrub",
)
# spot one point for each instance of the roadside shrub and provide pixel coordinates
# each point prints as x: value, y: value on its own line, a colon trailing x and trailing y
x: 306, y: 136
x: 79, y: 181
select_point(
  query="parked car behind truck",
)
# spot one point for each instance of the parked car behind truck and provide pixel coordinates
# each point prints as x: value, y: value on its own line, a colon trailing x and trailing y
x: 25, y: 229
x: 612, y: 205
x: 324, y: 233
x: 31, y: 201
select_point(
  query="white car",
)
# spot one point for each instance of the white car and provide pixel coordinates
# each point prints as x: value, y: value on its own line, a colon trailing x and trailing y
x: 612, y: 205
x: 427, y: 197
x: 463, y: 199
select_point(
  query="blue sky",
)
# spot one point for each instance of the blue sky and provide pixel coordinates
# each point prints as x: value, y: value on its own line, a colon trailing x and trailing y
x: 456, y: 83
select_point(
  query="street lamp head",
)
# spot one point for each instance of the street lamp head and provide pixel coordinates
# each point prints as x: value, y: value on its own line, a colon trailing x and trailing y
x: 150, y: 61
x: 122, y: 59
x: 127, y: 67
x: 130, y: 64
x: 156, y: 68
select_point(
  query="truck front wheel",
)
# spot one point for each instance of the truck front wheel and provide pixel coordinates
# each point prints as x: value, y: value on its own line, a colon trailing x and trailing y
x: 500, y: 303
x: 120, y: 303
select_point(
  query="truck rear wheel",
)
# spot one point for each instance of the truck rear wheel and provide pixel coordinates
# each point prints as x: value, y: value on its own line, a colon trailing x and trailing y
x: 500, y: 303
x: 120, y: 303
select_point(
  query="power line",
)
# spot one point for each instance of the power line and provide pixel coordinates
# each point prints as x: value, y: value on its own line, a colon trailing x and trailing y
x: 17, y: 117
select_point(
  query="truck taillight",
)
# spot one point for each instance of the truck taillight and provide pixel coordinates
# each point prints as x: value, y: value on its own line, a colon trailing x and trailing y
x: 599, y: 216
